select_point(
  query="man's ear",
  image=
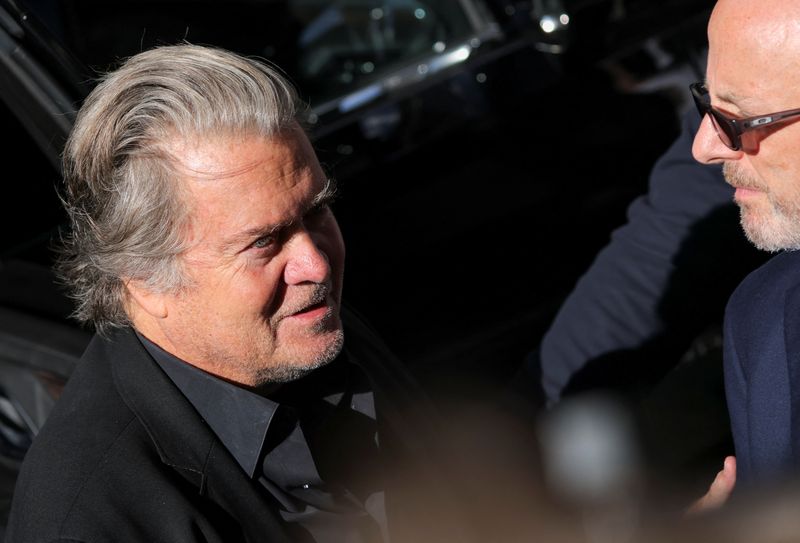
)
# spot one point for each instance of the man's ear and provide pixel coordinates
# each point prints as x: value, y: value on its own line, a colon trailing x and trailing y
x: 141, y: 298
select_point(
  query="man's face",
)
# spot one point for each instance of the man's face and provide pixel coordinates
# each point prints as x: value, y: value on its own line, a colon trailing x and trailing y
x: 266, y: 261
x: 753, y: 70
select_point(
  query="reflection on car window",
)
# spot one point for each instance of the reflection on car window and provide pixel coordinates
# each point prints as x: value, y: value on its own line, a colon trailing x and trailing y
x: 327, y: 47
x: 343, y: 43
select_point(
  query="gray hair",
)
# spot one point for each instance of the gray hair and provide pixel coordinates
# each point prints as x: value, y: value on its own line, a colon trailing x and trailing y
x: 128, y: 215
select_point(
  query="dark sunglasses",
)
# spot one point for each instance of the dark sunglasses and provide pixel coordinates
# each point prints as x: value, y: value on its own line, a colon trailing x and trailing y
x: 730, y: 130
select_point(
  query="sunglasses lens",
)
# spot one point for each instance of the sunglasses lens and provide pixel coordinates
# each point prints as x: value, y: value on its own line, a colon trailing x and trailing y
x: 701, y: 101
x: 725, y: 131
x: 723, y: 127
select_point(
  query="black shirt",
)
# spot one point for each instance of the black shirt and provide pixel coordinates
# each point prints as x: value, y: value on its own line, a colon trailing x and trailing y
x: 312, y: 444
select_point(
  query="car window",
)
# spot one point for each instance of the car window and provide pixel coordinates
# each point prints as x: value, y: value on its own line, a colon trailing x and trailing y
x: 328, y: 48
x: 31, y: 209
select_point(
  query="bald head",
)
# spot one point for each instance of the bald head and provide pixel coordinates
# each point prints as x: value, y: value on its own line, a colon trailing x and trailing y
x: 754, y: 71
x: 754, y: 55
x: 747, y: 14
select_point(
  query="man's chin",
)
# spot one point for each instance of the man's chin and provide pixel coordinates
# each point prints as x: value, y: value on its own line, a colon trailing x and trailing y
x: 283, y: 375
x: 773, y: 234
x: 304, y: 360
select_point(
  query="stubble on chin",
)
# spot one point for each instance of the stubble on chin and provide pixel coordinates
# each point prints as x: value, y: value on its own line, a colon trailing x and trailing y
x: 771, y: 223
x: 297, y: 354
x: 285, y: 371
x: 303, y: 351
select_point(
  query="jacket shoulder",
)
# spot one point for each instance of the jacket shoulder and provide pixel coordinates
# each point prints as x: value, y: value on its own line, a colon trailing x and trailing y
x: 74, y: 446
x: 765, y: 290
x: 96, y: 472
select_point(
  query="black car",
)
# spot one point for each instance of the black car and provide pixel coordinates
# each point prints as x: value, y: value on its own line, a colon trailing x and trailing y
x: 476, y: 144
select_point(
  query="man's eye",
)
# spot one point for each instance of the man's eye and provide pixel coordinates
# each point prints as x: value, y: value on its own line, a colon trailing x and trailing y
x: 264, y: 242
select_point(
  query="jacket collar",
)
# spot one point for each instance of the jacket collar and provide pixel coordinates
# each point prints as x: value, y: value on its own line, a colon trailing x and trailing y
x: 183, y: 440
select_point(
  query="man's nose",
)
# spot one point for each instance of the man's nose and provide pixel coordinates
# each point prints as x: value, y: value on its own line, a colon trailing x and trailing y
x: 708, y: 147
x: 307, y: 261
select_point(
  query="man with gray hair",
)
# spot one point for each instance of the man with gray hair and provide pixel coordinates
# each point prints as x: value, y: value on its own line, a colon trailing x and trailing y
x: 216, y: 401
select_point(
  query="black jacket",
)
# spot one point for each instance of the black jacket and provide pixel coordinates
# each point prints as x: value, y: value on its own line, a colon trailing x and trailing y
x: 125, y: 457
x: 762, y: 373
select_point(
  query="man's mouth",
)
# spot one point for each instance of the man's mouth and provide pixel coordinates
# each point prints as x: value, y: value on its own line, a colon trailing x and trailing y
x: 745, y: 192
x: 744, y: 184
x: 739, y: 185
x: 315, y: 307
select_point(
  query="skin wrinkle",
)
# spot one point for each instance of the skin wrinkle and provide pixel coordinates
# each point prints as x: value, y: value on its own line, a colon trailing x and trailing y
x: 196, y: 166
x: 238, y: 243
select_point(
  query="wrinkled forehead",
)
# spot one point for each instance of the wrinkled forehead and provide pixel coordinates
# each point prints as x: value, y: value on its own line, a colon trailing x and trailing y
x: 232, y: 171
x: 226, y: 157
x: 232, y: 185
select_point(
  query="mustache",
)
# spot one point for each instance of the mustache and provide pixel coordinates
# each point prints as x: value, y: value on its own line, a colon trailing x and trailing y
x: 318, y: 294
x: 737, y: 179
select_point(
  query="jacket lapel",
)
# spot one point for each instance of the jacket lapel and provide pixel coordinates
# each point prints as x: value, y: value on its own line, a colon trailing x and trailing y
x: 184, y: 441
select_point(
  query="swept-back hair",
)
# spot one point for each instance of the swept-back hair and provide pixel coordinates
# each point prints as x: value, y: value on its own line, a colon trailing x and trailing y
x: 128, y: 214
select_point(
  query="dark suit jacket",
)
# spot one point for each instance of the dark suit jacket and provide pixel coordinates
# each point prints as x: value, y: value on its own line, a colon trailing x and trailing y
x: 125, y: 457
x: 762, y: 371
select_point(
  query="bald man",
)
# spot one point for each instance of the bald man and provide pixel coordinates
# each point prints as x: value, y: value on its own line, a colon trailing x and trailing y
x: 750, y: 103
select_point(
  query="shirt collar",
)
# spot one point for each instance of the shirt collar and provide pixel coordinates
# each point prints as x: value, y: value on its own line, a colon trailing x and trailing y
x: 240, y: 418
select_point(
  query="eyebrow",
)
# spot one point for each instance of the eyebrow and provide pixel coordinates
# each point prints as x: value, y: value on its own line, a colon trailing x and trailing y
x: 324, y: 197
